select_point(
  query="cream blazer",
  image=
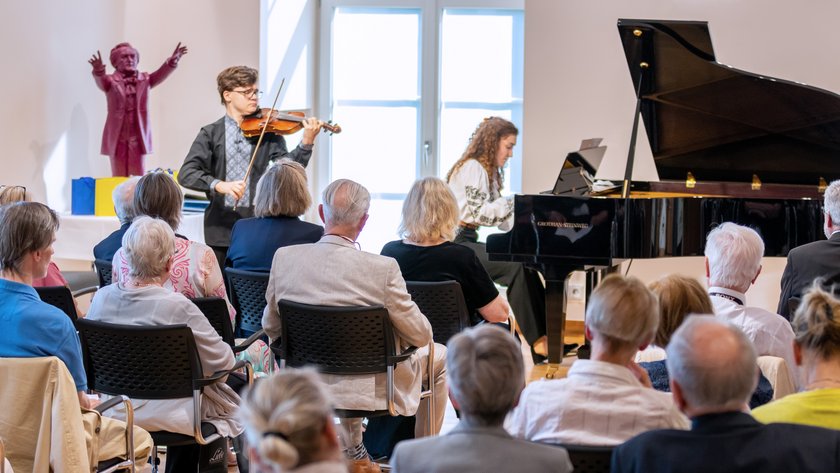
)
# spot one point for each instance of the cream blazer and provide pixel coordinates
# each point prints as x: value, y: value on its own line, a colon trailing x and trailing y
x: 42, y: 432
x: 332, y: 272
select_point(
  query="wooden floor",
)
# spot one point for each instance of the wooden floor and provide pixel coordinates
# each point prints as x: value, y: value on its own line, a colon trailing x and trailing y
x: 574, y: 334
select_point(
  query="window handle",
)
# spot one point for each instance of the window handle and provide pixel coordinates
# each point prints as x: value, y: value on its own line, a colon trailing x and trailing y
x: 427, y: 153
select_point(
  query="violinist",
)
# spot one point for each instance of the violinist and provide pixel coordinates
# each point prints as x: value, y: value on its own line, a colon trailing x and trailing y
x: 220, y: 155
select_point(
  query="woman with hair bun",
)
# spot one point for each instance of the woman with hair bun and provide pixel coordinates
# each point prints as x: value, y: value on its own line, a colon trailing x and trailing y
x: 289, y: 424
x: 816, y: 350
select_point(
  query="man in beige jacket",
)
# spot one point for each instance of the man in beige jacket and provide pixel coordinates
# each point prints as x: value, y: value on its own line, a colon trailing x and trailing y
x: 334, y: 272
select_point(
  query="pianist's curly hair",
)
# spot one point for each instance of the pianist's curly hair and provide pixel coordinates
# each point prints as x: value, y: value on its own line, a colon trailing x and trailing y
x: 483, y: 146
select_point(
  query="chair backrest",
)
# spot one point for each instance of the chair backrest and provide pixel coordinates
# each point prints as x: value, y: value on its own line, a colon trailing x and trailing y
x: 140, y: 362
x: 61, y: 297
x: 776, y: 370
x: 247, y: 294
x: 443, y: 304
x: 216, y: 311
x: 338, y: 340
x: 104, y: 269
x: 590, y: 459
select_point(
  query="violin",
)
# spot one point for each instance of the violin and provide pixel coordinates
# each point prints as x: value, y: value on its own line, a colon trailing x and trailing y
x: 280, y: 123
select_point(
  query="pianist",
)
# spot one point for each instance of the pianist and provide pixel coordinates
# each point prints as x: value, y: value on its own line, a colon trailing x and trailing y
x: 476, y: 181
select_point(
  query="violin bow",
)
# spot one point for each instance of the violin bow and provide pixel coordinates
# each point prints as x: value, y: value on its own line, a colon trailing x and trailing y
x: 259, y: 141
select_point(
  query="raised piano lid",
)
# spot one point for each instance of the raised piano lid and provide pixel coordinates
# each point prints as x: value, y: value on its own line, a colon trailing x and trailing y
x: 724, y: 124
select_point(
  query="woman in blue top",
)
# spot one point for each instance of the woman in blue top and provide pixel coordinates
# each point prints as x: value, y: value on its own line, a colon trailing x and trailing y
x: 282, y: 197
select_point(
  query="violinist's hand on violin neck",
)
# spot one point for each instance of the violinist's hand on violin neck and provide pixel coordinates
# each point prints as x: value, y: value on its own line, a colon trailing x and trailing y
x: 235, y: 188
x: 311, y: 127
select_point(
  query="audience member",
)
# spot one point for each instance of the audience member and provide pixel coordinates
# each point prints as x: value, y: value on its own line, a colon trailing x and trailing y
x: 817, y: 351
x: 817, y: 259
x: 485, y: 375
x: 195, y: 271
x: 426, y: 252
x: 334, y: 272
x: 32, y: 328
x: 476, y: 180
x: 733, y: 263
x: 12, y: 194
x: 607, y: 399
x: 123, y: 197
x: 681, y: 296
x: 142, y: 298
x: 288, y: 420
x: 282, y: 197
x: 713, y: 371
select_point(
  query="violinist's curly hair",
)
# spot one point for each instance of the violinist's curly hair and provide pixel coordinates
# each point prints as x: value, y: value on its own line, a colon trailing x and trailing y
x: 484, y: 143
x: 233, y: 77
x: 816, y: 324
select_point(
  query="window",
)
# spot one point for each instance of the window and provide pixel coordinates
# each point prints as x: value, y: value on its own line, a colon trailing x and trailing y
x: 408, y: 82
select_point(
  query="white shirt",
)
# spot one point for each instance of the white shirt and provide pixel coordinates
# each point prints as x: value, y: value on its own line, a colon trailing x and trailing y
x: 598, y: 403
x: 477, y: 202
x: 650, y: 353
x: 771, y: 334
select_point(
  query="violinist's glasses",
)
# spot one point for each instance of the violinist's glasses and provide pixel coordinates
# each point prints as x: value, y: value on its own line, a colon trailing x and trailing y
x: 249, y: 93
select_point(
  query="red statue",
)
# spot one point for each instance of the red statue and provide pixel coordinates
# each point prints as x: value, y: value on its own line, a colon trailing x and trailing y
x: 127, y: 136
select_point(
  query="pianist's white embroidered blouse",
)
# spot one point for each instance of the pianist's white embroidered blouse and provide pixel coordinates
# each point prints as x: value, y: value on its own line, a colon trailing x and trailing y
x: 477, y: 202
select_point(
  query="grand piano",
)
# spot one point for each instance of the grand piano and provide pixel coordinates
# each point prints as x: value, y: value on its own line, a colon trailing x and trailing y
x: 729, y: 145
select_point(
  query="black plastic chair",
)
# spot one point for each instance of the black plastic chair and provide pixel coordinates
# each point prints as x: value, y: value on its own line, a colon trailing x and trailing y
x: 61, y: 297
x: 216, y: 311
x: 151, y: 363
x: 247, y: 294
x: 104, y: 269
x: 345, y: 341
x: 589, y: 458
x: 443, y: 304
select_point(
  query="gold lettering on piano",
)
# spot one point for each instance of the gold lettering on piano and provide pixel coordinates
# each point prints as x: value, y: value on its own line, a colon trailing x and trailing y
x: 562, y: 224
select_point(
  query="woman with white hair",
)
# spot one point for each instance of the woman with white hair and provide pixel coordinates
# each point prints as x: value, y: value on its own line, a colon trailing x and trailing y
x: 195, y: 270
x: 607, y: 399
x: 289, y: 425
x: 142, y: 298
x: 426, y: 252
x: 282, y: 197
x: 816, y: 349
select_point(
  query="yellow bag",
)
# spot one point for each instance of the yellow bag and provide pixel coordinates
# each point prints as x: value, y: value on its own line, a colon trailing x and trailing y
x: 103, y: 201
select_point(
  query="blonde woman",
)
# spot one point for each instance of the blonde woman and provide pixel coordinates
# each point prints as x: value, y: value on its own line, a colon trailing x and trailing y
x: 289, y: 424
x: 816, y: 350
x: 282, y: 197
x: 426, y: 252
x: 476, y: 181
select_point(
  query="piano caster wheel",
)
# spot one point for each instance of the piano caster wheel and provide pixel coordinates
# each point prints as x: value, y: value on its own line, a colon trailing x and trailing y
x: 583, y: 352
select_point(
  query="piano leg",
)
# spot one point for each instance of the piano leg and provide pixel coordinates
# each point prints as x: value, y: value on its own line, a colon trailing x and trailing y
x: 556, y: 279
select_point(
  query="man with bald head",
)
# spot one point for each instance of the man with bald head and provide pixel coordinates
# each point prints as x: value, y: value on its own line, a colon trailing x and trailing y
x: 713, y: 371
x: 335, y: 272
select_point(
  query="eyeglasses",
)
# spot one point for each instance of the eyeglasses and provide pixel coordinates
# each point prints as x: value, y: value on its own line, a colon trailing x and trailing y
x: 249, y: 93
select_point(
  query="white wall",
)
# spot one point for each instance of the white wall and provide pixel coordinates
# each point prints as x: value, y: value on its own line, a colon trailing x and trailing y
x: 52, y: 118
x: 577, y: 84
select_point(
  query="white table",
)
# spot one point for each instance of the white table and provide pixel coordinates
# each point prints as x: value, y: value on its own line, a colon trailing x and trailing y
x: 78, y: 234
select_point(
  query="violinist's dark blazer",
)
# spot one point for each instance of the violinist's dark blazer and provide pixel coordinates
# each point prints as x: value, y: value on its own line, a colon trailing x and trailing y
x: 730, y: 442
x: 205, y: 162
x: 805, y: 263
